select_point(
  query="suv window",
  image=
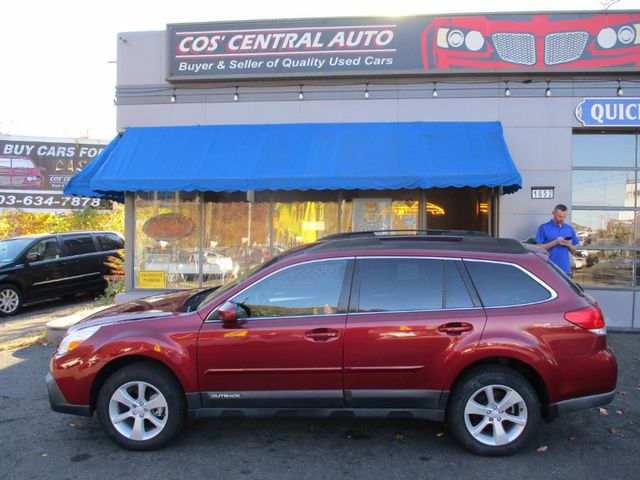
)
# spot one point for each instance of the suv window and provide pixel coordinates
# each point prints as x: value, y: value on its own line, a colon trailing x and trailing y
x: 307, y: 289
x: 48, y: 249
x: 501, y: 284
x: 109, y: 241
x: 78, y: 244
x: 455, y: 291
x: 407, y: 284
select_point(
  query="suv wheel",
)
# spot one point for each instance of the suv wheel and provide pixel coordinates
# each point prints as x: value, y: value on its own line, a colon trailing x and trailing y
x: 10, y: 300
x: 494, y: 411
x: 141, y: 407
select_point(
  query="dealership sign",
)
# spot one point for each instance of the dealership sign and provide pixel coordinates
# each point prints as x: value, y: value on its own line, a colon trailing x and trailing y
x: 404, y: 46
x: 33, y: 173
x: 609, y: 112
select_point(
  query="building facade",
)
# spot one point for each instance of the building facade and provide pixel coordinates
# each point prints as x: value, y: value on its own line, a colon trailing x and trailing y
x: 563, y: 90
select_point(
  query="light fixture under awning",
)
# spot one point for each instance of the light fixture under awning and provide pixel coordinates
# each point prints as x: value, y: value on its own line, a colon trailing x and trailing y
x: 317, y: 156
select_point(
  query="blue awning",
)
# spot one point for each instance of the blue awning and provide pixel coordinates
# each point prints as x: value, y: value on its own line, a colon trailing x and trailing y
x: 319, y: 156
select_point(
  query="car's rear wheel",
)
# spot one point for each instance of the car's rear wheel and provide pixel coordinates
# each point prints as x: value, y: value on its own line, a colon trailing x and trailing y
x: 141, y: 406
x: 10, y: 300
x: 494, y: 411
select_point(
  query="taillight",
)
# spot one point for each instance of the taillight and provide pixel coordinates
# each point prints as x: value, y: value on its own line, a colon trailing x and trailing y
x: 589, y: 318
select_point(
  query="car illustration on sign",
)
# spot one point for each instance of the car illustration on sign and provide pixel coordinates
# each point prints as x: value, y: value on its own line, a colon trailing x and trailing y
x: 20, y: 172
x: 526, y: 41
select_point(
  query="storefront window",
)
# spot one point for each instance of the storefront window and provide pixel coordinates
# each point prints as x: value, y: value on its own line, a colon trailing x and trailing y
x: 380, y: 210
x: 235, y: 235
x: 303, y: 217
x: 191, y: 239
x: 167, y: 239
x: 605, y: 208
x: 458, y: 209
x: 604, y: 188
x: 604, y: 267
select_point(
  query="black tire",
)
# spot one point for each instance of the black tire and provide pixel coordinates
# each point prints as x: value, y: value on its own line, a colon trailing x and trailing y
x: 140, y: 428
x: 499, y: 435
x: 10, y: 300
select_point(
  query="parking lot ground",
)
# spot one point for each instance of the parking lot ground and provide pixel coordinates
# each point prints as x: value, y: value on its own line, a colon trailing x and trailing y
x: 37, y: 443
x: 29, y: 324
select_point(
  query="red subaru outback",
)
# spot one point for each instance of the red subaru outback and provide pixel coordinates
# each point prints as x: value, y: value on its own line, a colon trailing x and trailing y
x: 470, y: 329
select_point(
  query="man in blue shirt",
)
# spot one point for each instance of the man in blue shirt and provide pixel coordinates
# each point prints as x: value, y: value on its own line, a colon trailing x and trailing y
x: 558, y: 238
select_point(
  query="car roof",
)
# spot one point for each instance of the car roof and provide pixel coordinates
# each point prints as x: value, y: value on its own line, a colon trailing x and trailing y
x: 469, y: 241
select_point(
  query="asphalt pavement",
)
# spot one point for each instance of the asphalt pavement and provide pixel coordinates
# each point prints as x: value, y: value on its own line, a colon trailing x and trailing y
x: 37, y: 443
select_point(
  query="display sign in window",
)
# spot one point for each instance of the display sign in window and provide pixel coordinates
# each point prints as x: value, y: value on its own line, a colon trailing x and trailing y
x: 152, y: 279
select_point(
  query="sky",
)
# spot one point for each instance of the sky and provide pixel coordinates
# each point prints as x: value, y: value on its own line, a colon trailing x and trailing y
x: 58, y: 73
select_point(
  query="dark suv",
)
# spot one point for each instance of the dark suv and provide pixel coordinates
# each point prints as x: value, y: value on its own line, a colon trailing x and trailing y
x: 474, y: 330
x: 38, y: 267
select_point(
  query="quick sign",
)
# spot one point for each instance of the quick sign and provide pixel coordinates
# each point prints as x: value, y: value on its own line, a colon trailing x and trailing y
x: 404, y: 46
x: 609, y: 112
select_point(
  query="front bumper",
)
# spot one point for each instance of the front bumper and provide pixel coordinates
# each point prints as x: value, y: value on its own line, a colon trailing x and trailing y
x: 580, y: 403
x: 59, y: 403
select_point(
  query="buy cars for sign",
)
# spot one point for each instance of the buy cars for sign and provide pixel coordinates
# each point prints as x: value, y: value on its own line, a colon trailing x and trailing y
x: 472, y: 330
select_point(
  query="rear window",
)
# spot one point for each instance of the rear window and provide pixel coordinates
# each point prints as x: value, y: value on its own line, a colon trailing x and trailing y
x: 502, y: 284
x: 78, y: 244
x: 109, y: 241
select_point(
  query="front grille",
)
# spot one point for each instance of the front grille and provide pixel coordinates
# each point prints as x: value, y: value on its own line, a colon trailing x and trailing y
x: 564, y: 47
x: 515, y: 47
x: 5, y: 180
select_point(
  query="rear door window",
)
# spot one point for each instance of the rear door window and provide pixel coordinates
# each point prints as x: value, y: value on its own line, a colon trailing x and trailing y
x: 400, y: 284
x: 78, y: 244
x: 504, y: 284
x: 109, y: 241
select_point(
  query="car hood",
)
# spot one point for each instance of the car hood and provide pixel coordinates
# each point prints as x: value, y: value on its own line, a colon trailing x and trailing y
x: 163, y: 305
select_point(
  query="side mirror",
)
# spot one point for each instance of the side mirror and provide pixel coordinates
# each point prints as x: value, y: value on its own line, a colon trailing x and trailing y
x: 33, y: 257
x: 228, y: 312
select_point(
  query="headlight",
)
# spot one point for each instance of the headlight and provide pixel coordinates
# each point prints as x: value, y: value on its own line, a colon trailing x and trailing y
x: 74, y: 339
x: 624, y: 35
x: 456, y: 38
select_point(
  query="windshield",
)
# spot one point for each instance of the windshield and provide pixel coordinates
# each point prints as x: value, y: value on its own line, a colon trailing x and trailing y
x: 10, y: 249
x: 228, y: 286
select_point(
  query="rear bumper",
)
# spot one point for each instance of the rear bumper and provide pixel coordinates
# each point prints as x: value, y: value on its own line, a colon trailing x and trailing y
x: 59, y: 403
x: 580, y: 403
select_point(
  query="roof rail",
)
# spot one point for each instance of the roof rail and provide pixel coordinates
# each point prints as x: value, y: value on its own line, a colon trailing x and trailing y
x: 409, y: 233
x: 442, y: 240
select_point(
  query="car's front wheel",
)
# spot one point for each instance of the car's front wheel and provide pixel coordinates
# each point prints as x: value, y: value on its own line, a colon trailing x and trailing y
x: 494, y: 411
x: 10, y: 300
x: 141, y: 406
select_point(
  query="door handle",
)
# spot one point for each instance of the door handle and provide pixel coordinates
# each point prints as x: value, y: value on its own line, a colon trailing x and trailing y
x: 321, y: 335
x: 455, y: 328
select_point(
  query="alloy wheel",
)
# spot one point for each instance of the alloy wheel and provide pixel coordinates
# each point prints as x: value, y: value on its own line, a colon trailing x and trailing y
x: 138, y: 410
x: 495, y: 415
x: 9, y: 300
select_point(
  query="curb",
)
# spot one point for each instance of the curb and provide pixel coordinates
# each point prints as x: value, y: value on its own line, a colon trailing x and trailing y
x: 55, y: 329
